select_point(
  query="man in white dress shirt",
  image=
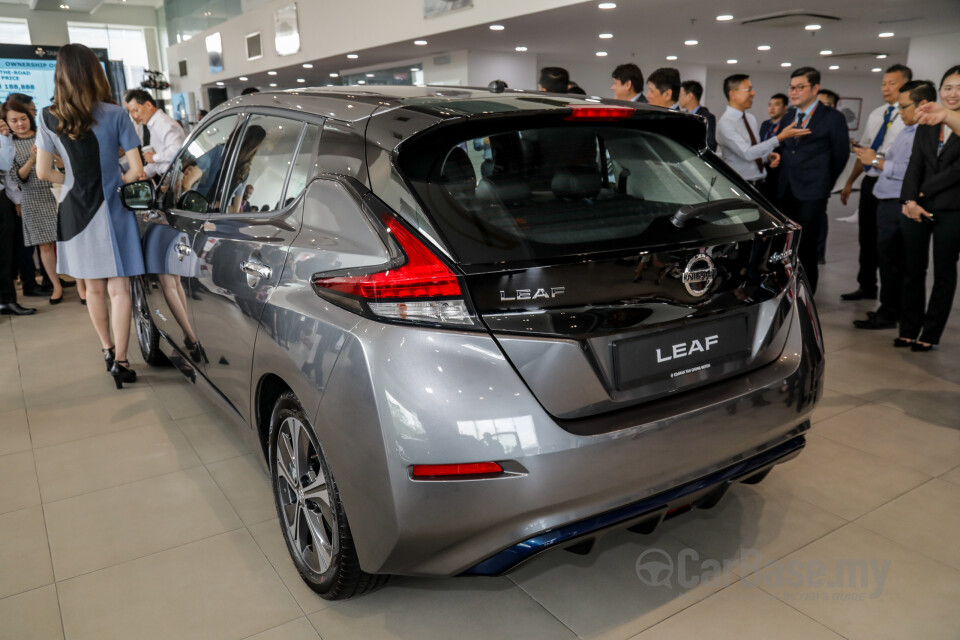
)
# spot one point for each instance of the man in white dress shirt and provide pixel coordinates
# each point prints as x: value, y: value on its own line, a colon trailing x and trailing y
x: 738, y: 135
x: 883, y: 126
x: 166, y: 134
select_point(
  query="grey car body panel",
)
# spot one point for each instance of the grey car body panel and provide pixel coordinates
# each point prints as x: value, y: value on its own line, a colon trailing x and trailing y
x: 385, y: 396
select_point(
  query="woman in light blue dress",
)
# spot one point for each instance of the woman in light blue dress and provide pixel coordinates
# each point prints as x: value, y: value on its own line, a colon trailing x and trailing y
x: 97, y: 236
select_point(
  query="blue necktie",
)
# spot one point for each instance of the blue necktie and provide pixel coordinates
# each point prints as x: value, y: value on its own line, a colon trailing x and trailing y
x: 878, y: 140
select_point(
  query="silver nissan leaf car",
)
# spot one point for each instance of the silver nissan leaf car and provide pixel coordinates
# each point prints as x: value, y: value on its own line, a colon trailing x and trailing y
x: 467, y: 327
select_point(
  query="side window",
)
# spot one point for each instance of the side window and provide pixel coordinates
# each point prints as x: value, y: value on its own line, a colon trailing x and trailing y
x: 263, y: 159
x: 303, y: 167
x: 192, y: 180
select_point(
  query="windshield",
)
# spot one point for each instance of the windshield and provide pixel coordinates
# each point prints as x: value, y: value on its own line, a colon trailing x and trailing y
x: 533, y: 194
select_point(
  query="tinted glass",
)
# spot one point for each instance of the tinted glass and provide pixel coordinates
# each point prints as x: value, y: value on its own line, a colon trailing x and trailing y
x: 303, y: 167
x: 540, y: 193
x: 199, y: 168
x: 263, y: 159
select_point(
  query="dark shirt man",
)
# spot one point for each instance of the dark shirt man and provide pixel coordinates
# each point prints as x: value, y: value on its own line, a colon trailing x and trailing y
x: 554, y: 80
x: 691, y: 92
x: 781, y: 116
x: 810, y: 165
x: 663, y: 88
x: 628, y: 83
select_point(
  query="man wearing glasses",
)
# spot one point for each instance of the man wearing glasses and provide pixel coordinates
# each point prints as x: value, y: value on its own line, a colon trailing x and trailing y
x: 883, y: 126
x: 891, y: 169
x: 810, y: 165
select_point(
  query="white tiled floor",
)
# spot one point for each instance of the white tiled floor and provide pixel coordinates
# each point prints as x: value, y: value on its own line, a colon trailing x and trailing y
x: 141, y: 514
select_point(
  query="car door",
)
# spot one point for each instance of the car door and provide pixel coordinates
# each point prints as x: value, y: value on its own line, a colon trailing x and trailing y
x: 243, y: 246
x: 185, y: 196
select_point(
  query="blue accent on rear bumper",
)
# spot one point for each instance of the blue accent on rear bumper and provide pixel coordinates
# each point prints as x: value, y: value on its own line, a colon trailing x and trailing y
x: 512, y: 556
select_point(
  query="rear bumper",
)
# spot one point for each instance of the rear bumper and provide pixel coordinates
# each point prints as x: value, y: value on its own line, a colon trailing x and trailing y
x: 568, y: 484
x: 643, y: 516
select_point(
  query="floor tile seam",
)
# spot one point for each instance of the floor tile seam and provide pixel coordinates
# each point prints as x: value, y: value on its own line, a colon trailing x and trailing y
x: 896, y: 462
x: 256, y: 633
x: 63, y: 627
x: 147, y: 555
x: 100, y: 397
x: 272, y: 566
x: 222, y: 490
x: 99, y: 435
x: 803, y: 546
x: 197, y: 453
x: 550, y: 613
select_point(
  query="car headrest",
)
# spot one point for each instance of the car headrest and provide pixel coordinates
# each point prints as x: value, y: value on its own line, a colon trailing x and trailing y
x: 576, y: 182
x: 503, y: 189
x: 457, y: 173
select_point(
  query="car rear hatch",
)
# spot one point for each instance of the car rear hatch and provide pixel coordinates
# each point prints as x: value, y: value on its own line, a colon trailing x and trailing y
x: 612, y: 260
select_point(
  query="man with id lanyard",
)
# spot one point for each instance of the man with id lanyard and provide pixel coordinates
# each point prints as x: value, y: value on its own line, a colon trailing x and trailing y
x: 883, y: 126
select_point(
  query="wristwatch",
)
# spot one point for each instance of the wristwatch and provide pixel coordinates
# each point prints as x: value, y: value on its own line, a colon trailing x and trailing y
x: 875, y: 162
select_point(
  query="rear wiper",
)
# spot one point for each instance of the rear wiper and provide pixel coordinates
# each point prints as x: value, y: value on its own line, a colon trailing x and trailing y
x: 692, y: 211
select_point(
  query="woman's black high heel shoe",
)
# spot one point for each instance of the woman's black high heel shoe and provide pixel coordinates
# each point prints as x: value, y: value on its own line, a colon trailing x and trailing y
x: 122, y: 372
x: 108, y: 357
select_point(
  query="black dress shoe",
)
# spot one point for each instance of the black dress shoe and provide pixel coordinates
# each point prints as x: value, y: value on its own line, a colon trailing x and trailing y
x: 859, y: 294
x: 917, y: 346
x: 875, y: 322
x: 56, y: 300
x: 14, y: 309
x: 67, y: 284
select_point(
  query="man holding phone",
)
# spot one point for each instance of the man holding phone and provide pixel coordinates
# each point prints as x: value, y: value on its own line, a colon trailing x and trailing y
x: 166, y: 134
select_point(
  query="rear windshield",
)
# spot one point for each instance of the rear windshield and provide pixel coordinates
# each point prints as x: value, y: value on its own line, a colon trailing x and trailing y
x: 535, y: 194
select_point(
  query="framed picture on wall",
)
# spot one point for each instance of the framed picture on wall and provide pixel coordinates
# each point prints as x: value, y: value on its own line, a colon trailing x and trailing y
x: 433, y: 8
x: 850, y: 108
x: 254, y: 46
x: 214, y: 52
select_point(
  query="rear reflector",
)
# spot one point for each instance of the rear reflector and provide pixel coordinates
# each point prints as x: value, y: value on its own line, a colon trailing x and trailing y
x: 600, y: 113
x: 449, y: 470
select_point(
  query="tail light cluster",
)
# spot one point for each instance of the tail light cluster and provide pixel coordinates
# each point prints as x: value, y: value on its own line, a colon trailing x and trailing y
x: 416, y: 287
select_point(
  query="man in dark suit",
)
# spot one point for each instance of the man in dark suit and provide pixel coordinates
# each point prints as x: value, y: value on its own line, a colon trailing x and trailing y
x: 810, y: 165
x: 781, y: 116
x: 691, y: 92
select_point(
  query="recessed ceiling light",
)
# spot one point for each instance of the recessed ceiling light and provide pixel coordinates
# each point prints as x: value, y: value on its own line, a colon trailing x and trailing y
x: 601, y: 54
x: 732, y: 61
x: 352, y: 56
x: 876, y: 69
x: 64, y: 6
x: 419, y: 43
x: 271, y: 73
x: 371, y: 75
x: 607, y: 5
x: 834, y: 67
x: 273, y: 84
x: 786, y: 64
x: 606, y: 36
x: 826, y: 52
x: 361, y: 82
x: 521, y: 48
x: 300, y: 80
x: 671, y: 57
x: 725, y: 17
x: 414, y: 68
x: 219, y: 83
x: 307, y: 65
x: 813, y: 27
x: 243, y: 78
x: 881, y: 56
x: 690, y: 43
x: 763, y: 47
x: 885, y: 34
x: 496, y: 27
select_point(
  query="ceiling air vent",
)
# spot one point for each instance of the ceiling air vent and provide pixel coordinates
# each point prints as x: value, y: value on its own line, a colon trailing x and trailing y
x: 789, y: 19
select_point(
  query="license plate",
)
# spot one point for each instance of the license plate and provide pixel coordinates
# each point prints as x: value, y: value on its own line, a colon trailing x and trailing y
x: 677, y: 354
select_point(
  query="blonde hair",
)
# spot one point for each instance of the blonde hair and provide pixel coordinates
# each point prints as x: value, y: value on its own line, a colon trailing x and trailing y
x: 79, y: 85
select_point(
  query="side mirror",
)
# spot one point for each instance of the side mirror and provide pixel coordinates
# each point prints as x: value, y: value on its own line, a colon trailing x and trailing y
x: 137, y: 195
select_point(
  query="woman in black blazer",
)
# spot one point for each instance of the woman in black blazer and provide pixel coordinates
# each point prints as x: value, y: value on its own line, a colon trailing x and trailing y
x: 931, y: 206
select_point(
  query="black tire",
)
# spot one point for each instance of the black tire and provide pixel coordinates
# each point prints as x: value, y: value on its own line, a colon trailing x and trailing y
x: 148, y: 336
x: 312, y: 519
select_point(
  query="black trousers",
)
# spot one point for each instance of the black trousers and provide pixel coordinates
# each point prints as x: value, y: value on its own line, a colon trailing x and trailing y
x: 28, y: 270
x: 867, y: 215
x: 808, y: 214
x: 889, y: 257
x: 9, y: 241
x: 945, y: 229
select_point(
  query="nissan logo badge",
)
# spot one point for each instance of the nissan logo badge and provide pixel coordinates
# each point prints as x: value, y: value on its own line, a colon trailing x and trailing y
x: 699, y: 274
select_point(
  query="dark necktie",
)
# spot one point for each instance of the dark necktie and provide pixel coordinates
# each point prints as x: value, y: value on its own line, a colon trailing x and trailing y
x: 753, y: 140
x: 146, y: 136
x: 878, y: 139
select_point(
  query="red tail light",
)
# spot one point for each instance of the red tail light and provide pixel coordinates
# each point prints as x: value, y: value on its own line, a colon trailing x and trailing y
x: 449, y: 470
x: 423, y: 275
x: 421, y: 289
x: 600, y: 113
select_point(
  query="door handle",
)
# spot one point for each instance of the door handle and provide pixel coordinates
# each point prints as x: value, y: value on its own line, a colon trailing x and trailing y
x: 256, y: 269
x: 183, y: 250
